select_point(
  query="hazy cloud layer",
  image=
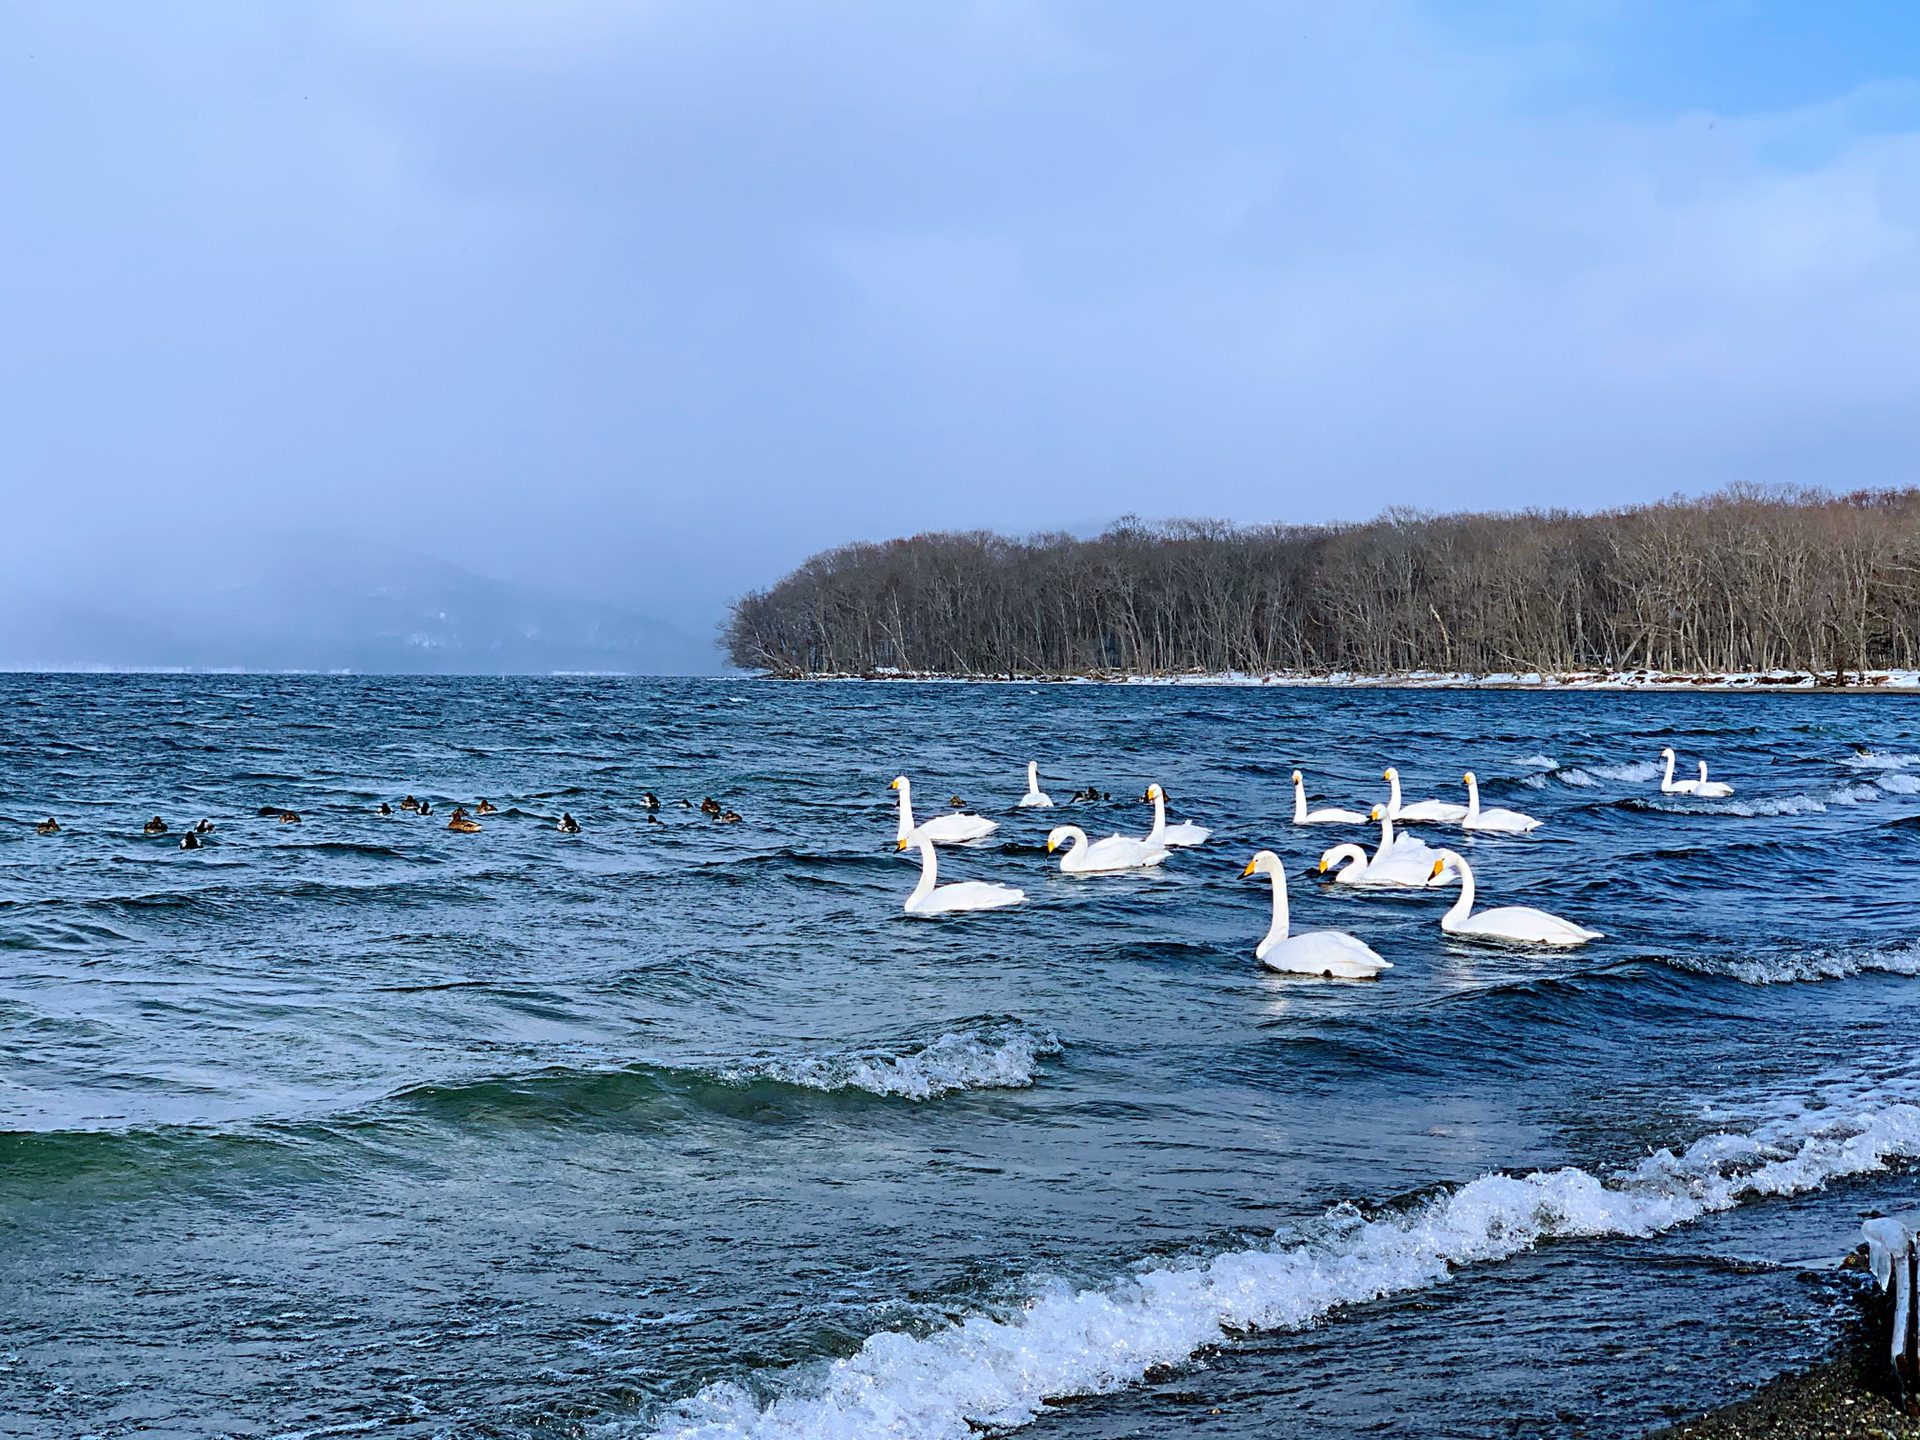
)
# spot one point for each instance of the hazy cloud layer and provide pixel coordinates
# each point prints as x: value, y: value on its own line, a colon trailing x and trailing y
x: 640, y: 303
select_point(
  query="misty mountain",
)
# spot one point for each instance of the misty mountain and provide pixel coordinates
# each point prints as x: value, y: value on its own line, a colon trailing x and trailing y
x: 320, y: 606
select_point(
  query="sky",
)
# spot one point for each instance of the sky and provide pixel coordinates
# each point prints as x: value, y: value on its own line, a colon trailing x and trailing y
x: 641, y: 303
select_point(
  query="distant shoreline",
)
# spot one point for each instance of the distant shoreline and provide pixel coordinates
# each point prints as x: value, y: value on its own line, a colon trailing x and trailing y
x: 1866, y: 682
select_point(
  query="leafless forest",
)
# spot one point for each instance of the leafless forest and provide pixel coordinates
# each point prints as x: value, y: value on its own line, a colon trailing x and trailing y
x: 1740, y: 581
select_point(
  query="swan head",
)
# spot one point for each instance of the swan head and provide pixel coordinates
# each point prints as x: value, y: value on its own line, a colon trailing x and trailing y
x: 1296, y: 777
x: 1154, y: 792
x: 1059, y: 835
x: 1467, y: 779
x: 1390, y: 773
x: 1448, y: 863
x: 1264, y: 862
x: 899, y: 783
x: 1376, y: 813
x: 1667, y: 754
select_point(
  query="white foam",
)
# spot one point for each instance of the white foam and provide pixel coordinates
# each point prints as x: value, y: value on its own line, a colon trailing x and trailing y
x: 998, y: 1370
x: 1867, y: 760
x: 988, y: 1057
x: 1575, y: 776
x: 1896, y: 782
x: 1813, y: 965
x: 1637, y: 771
x: 1539, y: 762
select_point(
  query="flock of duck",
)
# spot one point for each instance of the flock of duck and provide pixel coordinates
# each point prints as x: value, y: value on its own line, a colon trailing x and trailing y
x: 1401, y: 861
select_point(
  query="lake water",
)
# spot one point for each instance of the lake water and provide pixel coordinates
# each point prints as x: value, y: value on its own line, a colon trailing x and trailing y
x: 359, y: 1125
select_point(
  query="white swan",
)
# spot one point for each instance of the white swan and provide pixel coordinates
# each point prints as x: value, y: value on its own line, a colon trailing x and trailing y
x: 1712, y: 789
x: 1304, y: 816
x: 1165, y: 835
x: 1116, y: 852
x: 1035, y: 798
x: 1318, y: 952
x: 942, y: 829
x: 1517, y: 924
x: 1402, y: 863
x: 1494, y: 821
x: 1431, y: 812
x: 1671, y: 786
x: 930, y: 898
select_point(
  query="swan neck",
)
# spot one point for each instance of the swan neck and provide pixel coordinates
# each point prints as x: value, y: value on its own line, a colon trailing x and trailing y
x: 1278, y: 932
x: 906, y: 812
x: 929, y: 872
x: 1667, y: 782
x: 1386, y: 836
x: 1299, y: 802
x: 1473, y: 799
x: 1033, y: 776
x: 1159, y: 817
x: 1393, y: 797
x: 1462, y: 907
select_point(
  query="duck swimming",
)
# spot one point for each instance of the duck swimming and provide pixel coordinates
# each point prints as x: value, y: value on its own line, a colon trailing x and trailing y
x: 289, y: 817
x: 409, y: 803
x: 486, y: 807
x: 729, y: 817
x: 155, y: 826
x: 709, y: 806
x: 425, y: 808
x: 650, y: 800
x: 385, y: 809
x: 205, y: 827
x: 190, y: 841
x: 568, y: 825
x: 48, y: 826
x: 464, y: 823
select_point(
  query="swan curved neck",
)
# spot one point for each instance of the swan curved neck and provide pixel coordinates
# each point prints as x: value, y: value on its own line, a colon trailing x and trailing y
x: 1462, y: 907
x: 906, y: 811
x: 1278, y: 930
x: 1299, y: 802
x: 929, y: 872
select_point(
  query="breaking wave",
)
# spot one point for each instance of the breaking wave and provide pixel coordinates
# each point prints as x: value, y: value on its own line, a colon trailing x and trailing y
x: 991, y: 1055
x: 998, y: 1370
x: 1868, y: 760
x: 1813, y: 965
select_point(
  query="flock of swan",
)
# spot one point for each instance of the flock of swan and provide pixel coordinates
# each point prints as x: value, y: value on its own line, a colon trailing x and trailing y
x: 1401, y: 861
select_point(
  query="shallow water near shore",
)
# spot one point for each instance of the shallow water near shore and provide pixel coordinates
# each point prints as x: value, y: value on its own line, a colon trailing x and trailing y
x: 683, y: 1128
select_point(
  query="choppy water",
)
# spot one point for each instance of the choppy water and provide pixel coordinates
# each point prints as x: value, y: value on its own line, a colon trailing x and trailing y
x: 684, y: 1129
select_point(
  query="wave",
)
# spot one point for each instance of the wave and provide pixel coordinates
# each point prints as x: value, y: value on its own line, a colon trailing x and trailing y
x: 1868, y: 760
x: 998, y: 1371
x: 1636, y: 771
x: 995, y: 1055
x: 1826, y: 963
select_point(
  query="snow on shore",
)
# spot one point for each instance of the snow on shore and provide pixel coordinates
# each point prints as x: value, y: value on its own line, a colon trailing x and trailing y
x: 1892, y: 680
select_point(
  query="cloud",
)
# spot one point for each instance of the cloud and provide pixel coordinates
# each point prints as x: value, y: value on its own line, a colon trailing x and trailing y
x: 648, y: 300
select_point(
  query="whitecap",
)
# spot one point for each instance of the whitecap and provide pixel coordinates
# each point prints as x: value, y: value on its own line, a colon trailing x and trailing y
x: 1896, y: 783
x: 977, y: 1058
x: 1637, y: 771
x: 998, y: 1370
x: 1576, y: 777
x: 1827, y: 963
x: 1867, y: 760
x: 1539, y: 762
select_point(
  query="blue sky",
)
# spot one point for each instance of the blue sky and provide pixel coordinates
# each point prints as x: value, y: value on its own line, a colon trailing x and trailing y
x: 644, y: 302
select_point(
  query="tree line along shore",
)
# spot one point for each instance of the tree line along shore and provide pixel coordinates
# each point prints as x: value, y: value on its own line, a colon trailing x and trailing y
x: 1740, y: 582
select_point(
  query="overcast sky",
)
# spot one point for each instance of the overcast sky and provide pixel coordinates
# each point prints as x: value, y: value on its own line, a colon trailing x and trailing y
x: 646, y: 301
